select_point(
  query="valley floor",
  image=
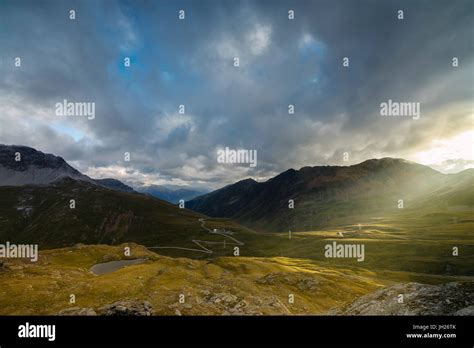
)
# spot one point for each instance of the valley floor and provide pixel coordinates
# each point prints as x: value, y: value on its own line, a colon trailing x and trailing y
x: 410, y: 255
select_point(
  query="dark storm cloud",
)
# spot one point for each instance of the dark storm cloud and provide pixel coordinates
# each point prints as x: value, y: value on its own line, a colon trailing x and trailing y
x: 190, y: 62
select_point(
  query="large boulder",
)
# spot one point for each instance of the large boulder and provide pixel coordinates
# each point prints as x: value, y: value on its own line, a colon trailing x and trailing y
x: 418, y: 299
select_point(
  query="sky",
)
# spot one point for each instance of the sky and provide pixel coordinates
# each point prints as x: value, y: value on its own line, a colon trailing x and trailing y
x: 282, y: 62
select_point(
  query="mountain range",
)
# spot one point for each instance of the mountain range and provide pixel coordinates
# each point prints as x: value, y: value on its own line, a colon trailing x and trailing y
x: 172, y: 194
x: 35, y: 207
x: 323, y: 194
x: 37, y: 168
x: 36, y: 191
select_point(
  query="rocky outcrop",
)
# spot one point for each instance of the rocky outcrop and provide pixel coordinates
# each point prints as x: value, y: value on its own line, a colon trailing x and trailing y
x: 119, y: 308
x: 418, y: 299
x: 127, y: 308
x: 302, y: 283
x: 23, y: 165
x: 465, y: 311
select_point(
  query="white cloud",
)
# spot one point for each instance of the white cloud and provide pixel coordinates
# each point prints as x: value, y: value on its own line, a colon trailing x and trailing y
x: 171, y: 121
x: 226, y: 47
x: 254, y: 43
x: 131, y: 176
x: 130, y: 37
x: 259, y: 39
x: 306, y: 40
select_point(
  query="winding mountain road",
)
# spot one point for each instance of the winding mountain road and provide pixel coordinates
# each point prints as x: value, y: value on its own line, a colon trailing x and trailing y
x: 200, y: 243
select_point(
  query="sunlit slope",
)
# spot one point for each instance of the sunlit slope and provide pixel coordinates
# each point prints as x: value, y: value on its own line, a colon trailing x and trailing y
x: 229, y: 285
x: 324, y: 195
x: 414, y: 244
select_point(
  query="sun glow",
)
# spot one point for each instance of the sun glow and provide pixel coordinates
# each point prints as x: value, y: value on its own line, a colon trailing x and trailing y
x: 459, y: 147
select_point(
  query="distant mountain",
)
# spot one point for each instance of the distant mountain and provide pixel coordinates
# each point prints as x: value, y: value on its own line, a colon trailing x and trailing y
x: 37, y: 168
x: 114, y: 184
x: 324, y: 194
x: 171, y: 194
x: 455, y: 190
x: 22, y: 165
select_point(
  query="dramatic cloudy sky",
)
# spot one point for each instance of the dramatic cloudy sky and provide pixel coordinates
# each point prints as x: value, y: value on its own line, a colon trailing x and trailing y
x: 282, y: 62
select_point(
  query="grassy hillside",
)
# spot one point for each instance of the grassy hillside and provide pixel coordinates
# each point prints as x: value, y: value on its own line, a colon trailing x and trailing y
x: 416, y: 245
x: 42, y: 214
x: 238, y: 285
x: 409, y: 247
x: 395, y: 253
x: 324, y: 195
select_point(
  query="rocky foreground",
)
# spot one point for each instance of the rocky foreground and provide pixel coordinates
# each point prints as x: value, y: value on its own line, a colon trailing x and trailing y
x: 418, y: 299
